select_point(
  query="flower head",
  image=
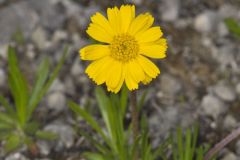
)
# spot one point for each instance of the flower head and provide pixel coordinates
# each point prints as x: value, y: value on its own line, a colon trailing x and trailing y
x: 127, y: 41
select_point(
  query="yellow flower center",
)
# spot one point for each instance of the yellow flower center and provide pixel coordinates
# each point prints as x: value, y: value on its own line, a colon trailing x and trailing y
x: 124, y: 47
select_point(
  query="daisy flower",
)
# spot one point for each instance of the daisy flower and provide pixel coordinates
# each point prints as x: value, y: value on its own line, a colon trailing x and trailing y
x: 126, y: 44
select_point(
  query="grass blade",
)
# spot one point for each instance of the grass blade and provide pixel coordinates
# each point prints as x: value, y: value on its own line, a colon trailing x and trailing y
x: 233, y: 26
x: 180, y: 143
x: 123, y: 99
x: 18, y: 86
x: 52, y: 77
x: 88, y: 118
x: 42, y: 76
x: 9, y: 109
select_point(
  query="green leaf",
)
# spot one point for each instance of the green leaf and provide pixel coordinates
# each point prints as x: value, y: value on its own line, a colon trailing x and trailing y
x: 31, y: 128
x: 5, y: 126
x: 42, y: 76
x: 47, y: 135
x: 142, y: 100
x: 180, y: 143
x: 18, y: 86
x: 18, y: 36
x: 53, y: 75
x: 233, y: 26
x: 194, y: 140
x: 124, y: 99
x: 88, y: 118
x: 188, y: 144
x: 12, y: 143
x: 94, y: 156
x: 4, y: 117
x: 102, y: 148
x: 104, y: 105
x: 160, y: 151
x: 9, y: 109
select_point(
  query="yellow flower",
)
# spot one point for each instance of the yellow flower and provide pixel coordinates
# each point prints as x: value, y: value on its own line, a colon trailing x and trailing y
x: 126, y: 42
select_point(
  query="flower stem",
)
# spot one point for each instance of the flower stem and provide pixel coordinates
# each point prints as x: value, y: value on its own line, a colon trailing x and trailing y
x: 222, y: 144
x: 135, y: 121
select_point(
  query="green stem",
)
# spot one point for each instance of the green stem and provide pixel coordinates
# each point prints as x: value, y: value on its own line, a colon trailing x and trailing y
x: 135, y: 122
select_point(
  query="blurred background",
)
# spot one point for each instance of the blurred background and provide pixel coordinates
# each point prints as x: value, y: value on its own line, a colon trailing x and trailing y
x: 199, y: 81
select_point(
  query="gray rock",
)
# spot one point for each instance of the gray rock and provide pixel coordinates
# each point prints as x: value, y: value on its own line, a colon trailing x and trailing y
x: 169, y: 10
x: 230, y: 156
x: 2, y: 1
x: 72, y: 8
x: 31, y: 54
x: 206, y: 21
x: 238, y: 88
x: 44, y: 147
x: 59, y: 35
x: 65, y: 132
x: 57, y: 86
x: 56, y: 101
x: 170, y: 85
x: 137, y: 2
x: 227, y: 10
x: 70, y: 87
x: 229, y: 122
x: 39, y: 37
x: 77, y: 69
x: 17, y: 16
x: 226, y: 58
x: 50, y: 16
x: 222, y: 29
x: 225, y: 92
x: 2, y: 77
x: 16, y: 156
x: 3, y: 50
x: 212, y: 106
x: 238, y: 147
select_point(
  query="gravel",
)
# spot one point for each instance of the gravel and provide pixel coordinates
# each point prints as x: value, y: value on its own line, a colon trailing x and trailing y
x: 206, y: 22
x: 212, y: 106
x: 199, y: 79
x: 225, y: 92
x: 19, y: 16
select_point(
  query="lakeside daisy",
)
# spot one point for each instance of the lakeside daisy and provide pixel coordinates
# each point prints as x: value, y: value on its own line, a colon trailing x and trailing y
x: 126, y: 42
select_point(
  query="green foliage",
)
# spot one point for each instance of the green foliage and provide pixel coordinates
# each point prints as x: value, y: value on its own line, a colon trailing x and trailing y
x: 18, y: 36
x: 184, y: 146
x: 116, y: 138
x: 233, y: 26
x: 116, y: 144
x: 16, y: 124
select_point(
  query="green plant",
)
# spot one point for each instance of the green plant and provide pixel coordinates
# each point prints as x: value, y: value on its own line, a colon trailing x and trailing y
x: 184, y: 146
x: 233, y: 26
x: 17, y: 126
x: 116, y: 145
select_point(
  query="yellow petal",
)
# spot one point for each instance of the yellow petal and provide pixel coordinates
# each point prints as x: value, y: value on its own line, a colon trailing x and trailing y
x: 154, y: 50
x: 117, y: 89
x: 97, y: 69
x: 150, y: 35
x: 127, y: 15
x: 114, y: 75
x: 147, y: 80
x: 114, y: 18
x: 130, y: 82
x: 93, y: 52
x: 99, y: 33
x: 141, y: 23
x: 100, y: 20
x: 136, y: 71
x: 149, y: 68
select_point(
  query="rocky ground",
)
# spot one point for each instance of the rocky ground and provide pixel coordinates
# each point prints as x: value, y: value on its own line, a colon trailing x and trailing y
x: 200, y: 80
